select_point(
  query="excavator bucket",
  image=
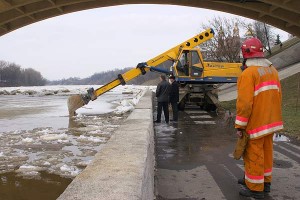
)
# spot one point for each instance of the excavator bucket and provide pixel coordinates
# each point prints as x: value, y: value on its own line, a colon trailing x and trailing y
x: 75, y: 102
x: 79, y: 100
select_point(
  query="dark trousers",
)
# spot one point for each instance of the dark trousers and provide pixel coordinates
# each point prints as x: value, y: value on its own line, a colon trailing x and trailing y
x: 164, y: 106
x: 175, y: 110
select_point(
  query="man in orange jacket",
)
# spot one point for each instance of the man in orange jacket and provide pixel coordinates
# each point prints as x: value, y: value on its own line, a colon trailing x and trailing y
x: 258, y: 115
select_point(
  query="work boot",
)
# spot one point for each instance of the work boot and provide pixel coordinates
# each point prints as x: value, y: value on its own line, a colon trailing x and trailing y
x: 267, y: 187
x: 254, y: 194
x: 241, y: 181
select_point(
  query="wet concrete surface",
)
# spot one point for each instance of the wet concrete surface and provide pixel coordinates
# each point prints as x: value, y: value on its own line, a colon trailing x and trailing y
x: 194, y: 161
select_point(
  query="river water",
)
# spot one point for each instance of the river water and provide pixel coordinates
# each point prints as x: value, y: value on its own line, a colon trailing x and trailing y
x: 41, y: 149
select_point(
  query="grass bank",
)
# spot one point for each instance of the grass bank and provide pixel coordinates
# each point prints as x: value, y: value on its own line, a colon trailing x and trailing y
x: 290, y: 105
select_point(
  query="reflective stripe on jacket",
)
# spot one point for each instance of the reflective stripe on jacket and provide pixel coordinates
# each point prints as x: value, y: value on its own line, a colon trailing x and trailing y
x: 259, y: 101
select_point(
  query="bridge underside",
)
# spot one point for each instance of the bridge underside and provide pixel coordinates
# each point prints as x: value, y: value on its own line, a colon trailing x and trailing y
x: 283, y: 14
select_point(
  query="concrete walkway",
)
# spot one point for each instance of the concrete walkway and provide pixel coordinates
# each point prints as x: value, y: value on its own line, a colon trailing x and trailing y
x: 194, y: 160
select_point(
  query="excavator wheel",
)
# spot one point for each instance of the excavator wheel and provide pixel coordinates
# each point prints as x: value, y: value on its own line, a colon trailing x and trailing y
x: 181, y: 105
x: 210, y: 107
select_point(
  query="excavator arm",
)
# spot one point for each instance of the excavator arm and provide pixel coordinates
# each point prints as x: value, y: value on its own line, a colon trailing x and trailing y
x: 77, y: 101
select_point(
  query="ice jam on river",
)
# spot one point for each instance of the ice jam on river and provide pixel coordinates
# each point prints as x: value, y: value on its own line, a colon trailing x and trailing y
x: 37, y: 135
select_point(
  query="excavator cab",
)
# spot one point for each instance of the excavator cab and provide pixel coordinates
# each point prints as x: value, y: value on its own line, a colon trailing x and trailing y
x: 189, y: 64
x: 190, y: 68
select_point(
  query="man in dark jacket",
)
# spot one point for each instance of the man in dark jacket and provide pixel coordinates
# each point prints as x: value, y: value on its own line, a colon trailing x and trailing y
x: 162, y: 94
x: 174, y: 97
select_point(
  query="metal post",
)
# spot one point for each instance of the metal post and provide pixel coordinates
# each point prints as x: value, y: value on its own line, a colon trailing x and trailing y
x: 267, y: 36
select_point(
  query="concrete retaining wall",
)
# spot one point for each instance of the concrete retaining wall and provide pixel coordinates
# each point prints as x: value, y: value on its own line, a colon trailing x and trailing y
x: 124, y: 168
x: 287, y: 57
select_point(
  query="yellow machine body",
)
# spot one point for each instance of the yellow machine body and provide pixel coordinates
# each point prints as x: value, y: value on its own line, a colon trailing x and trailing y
x: 191, y: 68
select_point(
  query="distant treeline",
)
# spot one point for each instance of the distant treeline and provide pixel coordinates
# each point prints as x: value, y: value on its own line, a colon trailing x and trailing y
x: 107, y: 76
x: 12, y: 74
x: 102, y: 78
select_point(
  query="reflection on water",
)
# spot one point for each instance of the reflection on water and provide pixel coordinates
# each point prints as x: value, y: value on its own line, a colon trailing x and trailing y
x: 74, y: 124
x: 48, y: 187
x: 26, y: 112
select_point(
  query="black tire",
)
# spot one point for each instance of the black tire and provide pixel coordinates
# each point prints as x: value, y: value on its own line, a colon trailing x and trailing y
x: 213, y: 107
x: 181, y: 106
x: 210, y: 107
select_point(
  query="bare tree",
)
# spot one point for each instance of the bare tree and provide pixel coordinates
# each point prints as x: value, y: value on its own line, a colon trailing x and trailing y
x: 32, y: 77
x: 12, y: 74
x: 225, y: 46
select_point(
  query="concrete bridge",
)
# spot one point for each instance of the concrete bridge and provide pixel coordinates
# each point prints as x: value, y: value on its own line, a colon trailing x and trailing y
x: 283, y: 14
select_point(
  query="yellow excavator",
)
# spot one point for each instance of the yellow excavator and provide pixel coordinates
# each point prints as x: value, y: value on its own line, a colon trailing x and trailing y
x: 196, y: 77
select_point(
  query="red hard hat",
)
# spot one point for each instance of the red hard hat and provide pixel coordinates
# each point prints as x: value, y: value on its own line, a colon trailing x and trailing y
x: 252, y: 48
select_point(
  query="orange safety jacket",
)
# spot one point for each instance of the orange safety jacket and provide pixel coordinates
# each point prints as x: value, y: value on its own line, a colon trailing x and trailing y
x: 259, y: 101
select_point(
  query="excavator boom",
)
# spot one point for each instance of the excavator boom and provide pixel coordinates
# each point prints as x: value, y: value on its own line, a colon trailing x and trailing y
x: 77, y: 101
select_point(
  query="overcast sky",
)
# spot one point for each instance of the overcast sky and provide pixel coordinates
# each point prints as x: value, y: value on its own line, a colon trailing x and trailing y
x: 83, y: 43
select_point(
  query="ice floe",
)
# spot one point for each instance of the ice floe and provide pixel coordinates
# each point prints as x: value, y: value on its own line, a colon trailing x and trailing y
x: 70, y: 170
x: 64, y: 90
x: 84, y: 163
x: 29, y: 140
x: 83, y: 138
x: 54, y: 137
x: 64, y: 152
x: 28, y: 168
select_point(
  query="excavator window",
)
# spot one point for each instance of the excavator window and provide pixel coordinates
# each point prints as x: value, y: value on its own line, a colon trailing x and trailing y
x: 197, y: 67
x: 183, y: 63
x: 195, y: 58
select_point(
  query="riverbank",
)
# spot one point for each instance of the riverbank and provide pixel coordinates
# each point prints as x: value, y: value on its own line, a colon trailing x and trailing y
x: 124, y: 169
